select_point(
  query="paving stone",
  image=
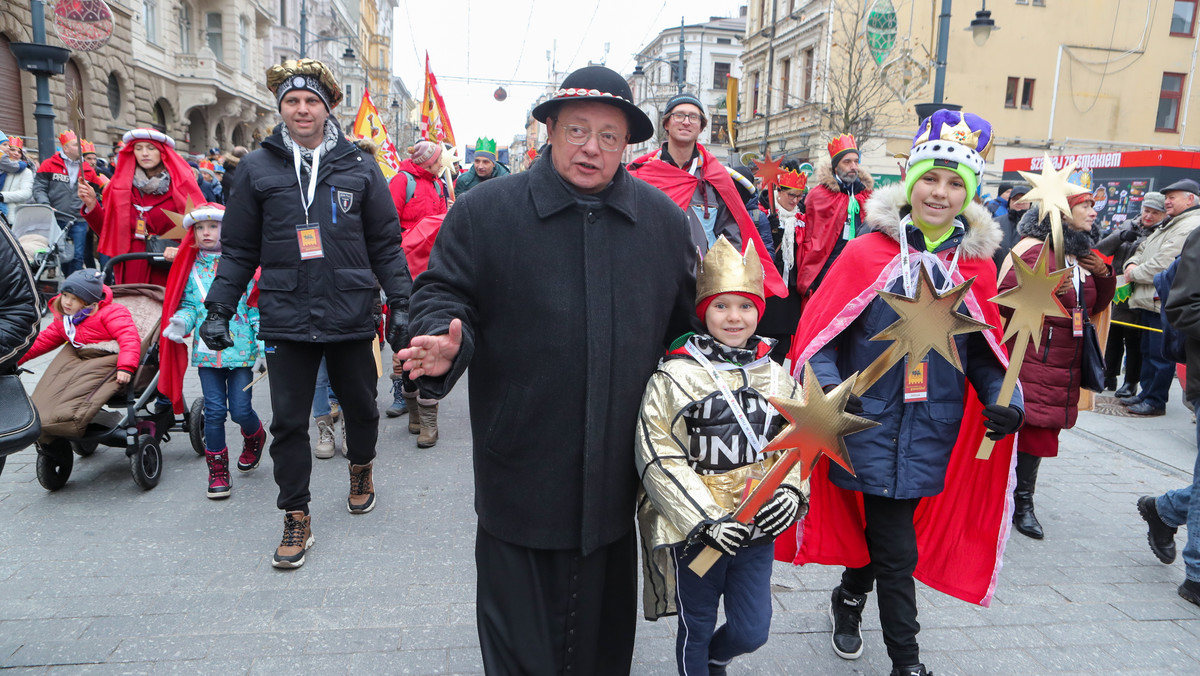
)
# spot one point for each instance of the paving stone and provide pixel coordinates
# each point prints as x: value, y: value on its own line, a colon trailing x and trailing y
x: 353, y: 641
x: 47, y: 653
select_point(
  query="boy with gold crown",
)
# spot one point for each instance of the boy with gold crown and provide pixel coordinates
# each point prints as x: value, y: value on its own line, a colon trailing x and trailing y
x: 704, y: 422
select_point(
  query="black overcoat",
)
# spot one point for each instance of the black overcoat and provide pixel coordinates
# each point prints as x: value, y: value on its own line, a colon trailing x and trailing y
x: 567, y: 304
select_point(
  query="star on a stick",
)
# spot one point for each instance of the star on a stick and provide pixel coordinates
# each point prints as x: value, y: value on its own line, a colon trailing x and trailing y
x: 768, y: 170
x: 817, y: 423
x: 1033, y: 298
x: 929, y: 321
x: 178, y: 231
x: 1051, y: 189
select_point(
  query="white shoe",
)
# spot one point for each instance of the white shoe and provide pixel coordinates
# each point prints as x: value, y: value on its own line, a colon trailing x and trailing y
x: 325, y: 446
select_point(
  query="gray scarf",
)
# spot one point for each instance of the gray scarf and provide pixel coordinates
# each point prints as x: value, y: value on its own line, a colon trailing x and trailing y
x: 158, y: 185
x: 332, y: 132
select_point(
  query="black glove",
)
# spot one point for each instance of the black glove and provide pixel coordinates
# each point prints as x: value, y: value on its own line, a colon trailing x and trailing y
x: 1002, y: 420
x: 726, y: 536
x: 853, y: 404
x: 215, y: 330
x: 397, y: 331
x: 1129, y: 235
x: 781, y: 511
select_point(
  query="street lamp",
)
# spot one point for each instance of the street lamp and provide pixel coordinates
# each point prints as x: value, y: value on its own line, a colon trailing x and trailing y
x: 982, y: 25
x: 395, y: 119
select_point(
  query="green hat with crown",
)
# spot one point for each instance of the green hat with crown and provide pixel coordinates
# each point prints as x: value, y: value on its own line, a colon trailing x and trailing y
x: 485, y: 148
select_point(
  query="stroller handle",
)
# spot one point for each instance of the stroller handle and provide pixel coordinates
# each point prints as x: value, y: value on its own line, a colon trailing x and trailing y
x: 134, y: 256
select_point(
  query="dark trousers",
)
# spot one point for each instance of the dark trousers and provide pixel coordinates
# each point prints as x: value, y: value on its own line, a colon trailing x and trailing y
x: 892, y: 544
x: 1157, y: 371
x: 543, y: 612
x: 1123, y: 340
x: 745, y: 582
x: 293, y: 369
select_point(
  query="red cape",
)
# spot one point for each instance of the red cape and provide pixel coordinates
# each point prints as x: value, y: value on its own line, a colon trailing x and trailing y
x: 119, y: 215
x: 418, y: 243
x: 679, y: 185
x: 961, y: 533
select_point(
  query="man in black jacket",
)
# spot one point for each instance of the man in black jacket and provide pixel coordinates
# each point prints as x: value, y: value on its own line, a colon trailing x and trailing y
x: 561, y: 287
x: 314, y: 212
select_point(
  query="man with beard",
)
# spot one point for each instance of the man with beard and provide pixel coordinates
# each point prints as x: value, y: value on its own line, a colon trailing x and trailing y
x: 833, y: 212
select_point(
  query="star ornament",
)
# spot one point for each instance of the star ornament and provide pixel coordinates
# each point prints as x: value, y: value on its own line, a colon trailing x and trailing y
x: 817, y: 423
x: 929, y: 321
x: 1033, y: 298
x: 1051, y: 189
x: 178, y: 231
x: 768, y: 170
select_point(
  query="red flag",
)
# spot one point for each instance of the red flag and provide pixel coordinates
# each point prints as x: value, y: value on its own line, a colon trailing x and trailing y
x: 435, y: 124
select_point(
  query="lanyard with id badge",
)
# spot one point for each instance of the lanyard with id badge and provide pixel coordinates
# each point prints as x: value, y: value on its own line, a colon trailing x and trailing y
x: 308, y: 234
x: 916, y: 374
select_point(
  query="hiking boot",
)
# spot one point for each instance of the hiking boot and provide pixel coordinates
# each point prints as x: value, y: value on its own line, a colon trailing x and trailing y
x: 297, y: 538
x: 218, y: 473
x: 1190, y: 591
x: 1161, y: 536
x: 325, y: 445
x: 414, y: 415
x: 914, y: 670
x: 398, y: 407
x: 845, y: 610
x: 362, y: 490
x: 252, y: 448
x: 429, y: 428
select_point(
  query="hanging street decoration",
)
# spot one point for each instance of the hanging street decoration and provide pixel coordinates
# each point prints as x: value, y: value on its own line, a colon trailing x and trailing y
x: 83, y: 25
x: 881, y: 30
x: 500, y: 94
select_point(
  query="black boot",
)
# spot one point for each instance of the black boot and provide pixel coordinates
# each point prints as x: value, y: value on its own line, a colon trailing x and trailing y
x: 1024, y: 519
x: 1129, y: 389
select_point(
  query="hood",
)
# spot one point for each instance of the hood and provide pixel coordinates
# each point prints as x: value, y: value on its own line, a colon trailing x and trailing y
x: 1076, y: 242
x: 366, y: 145
x: 983, y: 233
x: 231, y: 162
x: 824, y: 176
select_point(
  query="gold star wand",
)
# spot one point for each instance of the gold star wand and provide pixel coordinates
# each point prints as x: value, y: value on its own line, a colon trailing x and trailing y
x: 816, y: 425
x: 1034, y: 298
x: 1050, y: 190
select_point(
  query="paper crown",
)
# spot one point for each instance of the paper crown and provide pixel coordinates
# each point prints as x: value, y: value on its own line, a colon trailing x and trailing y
x: 840, y: 145
x: 724, y: 270
x: 66, y: 137
x: 793, y: 179
x: 86, y: 147
x: 135, y: 135
x: 485, y: 148
x: 1083, y: 179
x: 205, y: 165
x: 952, y: 136
x: 16, y: 141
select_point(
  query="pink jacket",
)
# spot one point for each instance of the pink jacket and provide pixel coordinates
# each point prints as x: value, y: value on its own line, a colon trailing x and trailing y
x: 110, y: 321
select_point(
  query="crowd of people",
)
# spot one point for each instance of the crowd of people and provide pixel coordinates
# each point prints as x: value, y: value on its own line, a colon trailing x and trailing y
x: 631, y: 328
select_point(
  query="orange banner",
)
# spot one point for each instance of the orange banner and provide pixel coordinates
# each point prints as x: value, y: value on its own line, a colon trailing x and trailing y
x: 368, y: 125
x: 435, y: 124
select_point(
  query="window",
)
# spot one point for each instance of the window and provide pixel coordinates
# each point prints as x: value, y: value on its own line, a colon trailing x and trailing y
x: 674, y: 75
x: 1183, y: 18
x: 114, y: 95
x: 215, y: 41
x: 785, y: 82
x: 1027, y: 94
x: 754, y: 95
x: 150, y: 18
x: 160, y: 117
x: 762, y: 13
x: 724, y: 41
x: 283, y: 13
x: 1168, y: 102
x: 1010, y: 92
x: 244, y: 43
x: 809, y: 59
x: 719, y: 129
x: 185, y: 29
x: 720, y: 74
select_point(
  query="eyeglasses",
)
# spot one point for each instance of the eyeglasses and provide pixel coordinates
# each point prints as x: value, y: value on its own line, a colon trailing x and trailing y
x: 608, y: 141
x: 691, y: 117
x: 790, y: 195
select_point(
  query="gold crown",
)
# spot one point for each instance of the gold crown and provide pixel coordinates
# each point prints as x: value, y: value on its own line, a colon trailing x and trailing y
x: 724, y: 270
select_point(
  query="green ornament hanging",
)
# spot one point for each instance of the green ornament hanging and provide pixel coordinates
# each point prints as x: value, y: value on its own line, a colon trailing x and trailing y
x: 881, y: 29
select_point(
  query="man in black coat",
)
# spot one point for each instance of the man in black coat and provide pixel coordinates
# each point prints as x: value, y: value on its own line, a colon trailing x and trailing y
x: 560, y: 287
x: 322, y: 243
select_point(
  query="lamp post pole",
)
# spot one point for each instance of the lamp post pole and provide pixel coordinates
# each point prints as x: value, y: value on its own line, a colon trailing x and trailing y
x: 943, y: 46
x: 679, y: 69
x: 303, y: 28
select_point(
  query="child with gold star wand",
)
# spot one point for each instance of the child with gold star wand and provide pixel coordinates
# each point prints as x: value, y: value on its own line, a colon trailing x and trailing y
x: 919, y: 505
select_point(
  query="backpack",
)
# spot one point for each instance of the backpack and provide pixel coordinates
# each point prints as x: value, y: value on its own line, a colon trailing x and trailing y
x: 1173, y: 340
x: 410, y: 186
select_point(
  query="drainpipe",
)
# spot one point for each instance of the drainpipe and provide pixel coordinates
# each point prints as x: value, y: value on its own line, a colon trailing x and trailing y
x: 1187, y: 102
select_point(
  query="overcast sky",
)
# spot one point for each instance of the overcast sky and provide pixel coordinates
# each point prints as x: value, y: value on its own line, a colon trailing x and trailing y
x: 508, y: 40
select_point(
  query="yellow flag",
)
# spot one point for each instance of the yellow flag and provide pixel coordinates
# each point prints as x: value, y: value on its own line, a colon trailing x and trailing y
x: 368, y: 125
x: 731, y: 107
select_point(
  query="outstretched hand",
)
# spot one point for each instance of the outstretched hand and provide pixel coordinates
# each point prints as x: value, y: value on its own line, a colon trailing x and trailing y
x: 430, y: 355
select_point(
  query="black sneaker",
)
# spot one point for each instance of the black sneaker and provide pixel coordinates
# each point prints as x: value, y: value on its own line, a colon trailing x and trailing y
x: 1161, y: 536
x: 715, y: 669
x: 1190, y: 591
x: 914, y: 670
x: 845, y: 610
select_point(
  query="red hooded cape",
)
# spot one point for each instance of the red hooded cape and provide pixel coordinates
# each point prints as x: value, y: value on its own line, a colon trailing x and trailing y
x: 119, y: 215
x: 679, y: 185
x: 961, y: 533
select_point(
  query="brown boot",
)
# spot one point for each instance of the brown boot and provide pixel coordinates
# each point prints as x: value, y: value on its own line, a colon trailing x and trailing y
x: 429, y: 429
x: 297, y: 538
x: 414, y: 417
x: 362, y: 490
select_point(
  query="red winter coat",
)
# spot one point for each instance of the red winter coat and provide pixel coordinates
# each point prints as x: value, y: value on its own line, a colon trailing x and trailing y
x: 1050, y: 374
x: 428, y: 199
x: 111, y: 321
x: 824, y: 217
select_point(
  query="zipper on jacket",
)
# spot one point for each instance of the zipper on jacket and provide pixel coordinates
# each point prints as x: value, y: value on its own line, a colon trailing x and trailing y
x: 1049, y: 337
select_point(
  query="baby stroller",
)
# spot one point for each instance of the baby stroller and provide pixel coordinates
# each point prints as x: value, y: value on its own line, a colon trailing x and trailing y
x: 45, y: 244
x: 82, y: 406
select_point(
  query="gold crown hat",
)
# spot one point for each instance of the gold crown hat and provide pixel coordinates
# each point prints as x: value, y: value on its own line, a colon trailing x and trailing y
x: 724, y: 270
x: 304, y: 74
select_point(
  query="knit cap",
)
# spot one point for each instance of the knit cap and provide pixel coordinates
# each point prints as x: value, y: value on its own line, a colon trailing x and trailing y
x: 680, y: 99
x: 87, y: 284
x: 423, y: 151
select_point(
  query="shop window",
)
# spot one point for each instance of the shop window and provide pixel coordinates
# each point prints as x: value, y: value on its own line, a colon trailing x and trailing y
x: 1169, y: 96
x: 1183, y: 18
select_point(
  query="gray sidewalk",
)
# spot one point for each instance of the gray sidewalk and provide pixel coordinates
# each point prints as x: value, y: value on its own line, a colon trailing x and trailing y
x: 102, y: 577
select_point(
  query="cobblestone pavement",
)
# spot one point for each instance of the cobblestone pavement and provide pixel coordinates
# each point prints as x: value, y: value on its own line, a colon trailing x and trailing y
x: 102, y: 577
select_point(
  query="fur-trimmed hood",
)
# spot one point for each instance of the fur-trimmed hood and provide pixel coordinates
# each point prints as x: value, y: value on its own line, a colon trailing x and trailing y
x: 824, y: 176
x: 366, y: 145
x: 1076, y: 242
x: 887, y: 206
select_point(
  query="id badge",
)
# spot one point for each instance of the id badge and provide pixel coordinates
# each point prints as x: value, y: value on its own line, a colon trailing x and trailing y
x: 309, y: 236
x: 916, y: 381
x: 754, y: 478
x: 139, y: 229
x: 1077, y: 322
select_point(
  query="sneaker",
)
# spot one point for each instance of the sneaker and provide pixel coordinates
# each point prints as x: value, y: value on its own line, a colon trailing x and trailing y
x: 218, y: 474
x: 715, y: 669
x: 1190, y: 591
x: 297, y: 538
x: 325, y: 446
x: 399, y: 407
x: 1146, y: 409
x: 1161, y: 536
x: 252, y: 448
x: 362, y: 490
x: 845, y: 610
x: 914, y: 670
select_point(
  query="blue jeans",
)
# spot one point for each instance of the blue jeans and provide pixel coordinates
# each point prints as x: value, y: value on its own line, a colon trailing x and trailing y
x: 1157, y: 371
x: 745, y: 582
x: 323, y: 394
x: 1176, y: 509
x: 78, y: 234
x: 223, y: 394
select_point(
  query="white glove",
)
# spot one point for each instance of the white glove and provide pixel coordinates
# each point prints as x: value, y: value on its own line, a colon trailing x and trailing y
x: 726, y: 536
x: 176, y: 330
x: 780, y: 511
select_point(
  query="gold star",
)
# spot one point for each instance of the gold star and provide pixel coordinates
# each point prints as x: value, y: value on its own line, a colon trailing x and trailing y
x: 817, y: 423
x: 1033, y: 298
x: 1050, y: 190
x: 929, y: 321
x: 768, y: 170
x: 178, y: 231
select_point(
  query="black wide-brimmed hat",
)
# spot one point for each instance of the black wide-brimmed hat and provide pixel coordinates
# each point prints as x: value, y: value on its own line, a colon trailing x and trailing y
x: 597, y: 83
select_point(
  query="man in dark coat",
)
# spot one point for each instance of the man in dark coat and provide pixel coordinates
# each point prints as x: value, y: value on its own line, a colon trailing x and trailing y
x: 560, y: 287
x: 322, y: 243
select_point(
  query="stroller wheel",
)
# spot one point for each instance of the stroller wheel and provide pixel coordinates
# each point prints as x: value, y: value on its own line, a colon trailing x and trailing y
x: 54, y: 463
x: 84, y: 448
x: 146, y: 462
x: 196, y: 426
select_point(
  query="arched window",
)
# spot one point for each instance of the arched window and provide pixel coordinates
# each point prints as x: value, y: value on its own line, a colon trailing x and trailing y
x: 114, y: 96
x: 76, y: 99
x: 160, y: 117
